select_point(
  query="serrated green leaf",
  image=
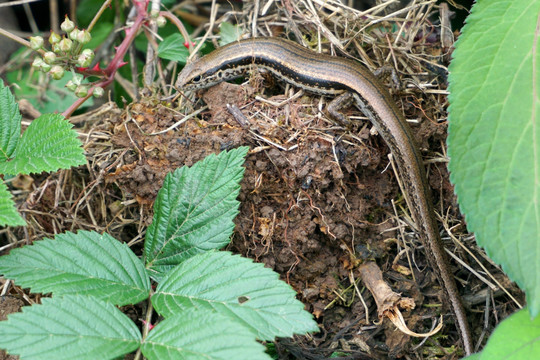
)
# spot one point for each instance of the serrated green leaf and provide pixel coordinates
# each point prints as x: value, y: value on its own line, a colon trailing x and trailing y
x: 228, y: 33
x: 172, y: 48
x: 69, y: 327
x: 10, y: 123
x: 494, y: 142
x: 194, y: 211
x: 516, y: 338
x: 85, y: 263
x: 236, y: 287
x: 201, y: 334
x: 8, y: 213
x: 48, y: 144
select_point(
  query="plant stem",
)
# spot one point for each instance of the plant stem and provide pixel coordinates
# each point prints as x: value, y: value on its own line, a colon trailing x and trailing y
x: 118, y: 59
x: 18, y: 39
x: 105, y: 5
x: 147, y: 323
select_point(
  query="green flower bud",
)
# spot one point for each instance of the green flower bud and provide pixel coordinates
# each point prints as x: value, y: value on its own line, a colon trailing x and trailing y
x: 71, y: 85
x: 66, y: 45
x: 45, y: 67
x: 84, y: 61
x: 73, y: 34
x: 98, y: 92
x: 67, y: 25
x: 84, y: 37
x: 81, y: 91
x: 77, y: 79
x: 57, y: 72
x: 161, y: 21
x: 56, y: 48
x: 36, y: 64
x: 36, y: 42
x: 89, y: 53
x: 49, y: 57
x: 154, y: 14
x: 54, y: 38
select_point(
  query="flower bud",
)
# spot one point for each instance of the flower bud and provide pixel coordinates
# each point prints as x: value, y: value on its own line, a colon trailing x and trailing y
x: 45, y: 67
x: 73, y: 34
x: 89, y: 53
x: 36, y: 42
x: 67, y: 25
x: 77, y: 79
x: 36, y: 64
x: 98, y: 92
x: 154, y: 14
x: 54, y: 38
x: 57, y: 72
x: 81, y: 91
x: 161, y: 21
x: 71, y: 85
x: 56, y: 48
x: 84, y: 37
x: 49, y: 57
x: 84, y: 61
x: 65, y: 45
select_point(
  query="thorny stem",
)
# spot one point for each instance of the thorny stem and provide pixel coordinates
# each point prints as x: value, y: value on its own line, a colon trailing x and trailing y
x: 117, y: 61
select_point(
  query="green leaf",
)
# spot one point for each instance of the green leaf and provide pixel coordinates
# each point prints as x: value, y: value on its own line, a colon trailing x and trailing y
x: 85, y: 263
x: 87, y: 9
x: 201, y: 334
x: 516, y: 338
x: 8, y: 213
x: 45, y: 94
x: 194, y: 211
x: 10, y: 123
x: 99, y: 33
x: 494, y: 139
x: 48, y: 144
x: 228, y: 33
x: 172, y: 48
x: 236, y: 287
x: 70, y: 327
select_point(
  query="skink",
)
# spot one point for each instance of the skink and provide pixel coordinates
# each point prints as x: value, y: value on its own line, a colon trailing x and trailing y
x: 329, y: 75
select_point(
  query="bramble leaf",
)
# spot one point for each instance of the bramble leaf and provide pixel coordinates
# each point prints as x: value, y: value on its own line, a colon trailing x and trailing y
x: 85, y: 263
x: 201, y: 334
x: 194, y: 211
x: 48, y: 144
x: 234, y: 286
x: 69, y: 327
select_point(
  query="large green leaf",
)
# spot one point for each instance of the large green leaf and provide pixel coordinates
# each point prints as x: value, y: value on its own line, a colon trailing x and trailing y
x: 196, y: 334
x: 8, y: 213
x: 494, y: 136
x: 70, y: 327
x: 10, y: 123
x: 194, y: 211
x: 85, y: 263
x: 48, y: 144
x: 516, y: 338
x: 236, y: 287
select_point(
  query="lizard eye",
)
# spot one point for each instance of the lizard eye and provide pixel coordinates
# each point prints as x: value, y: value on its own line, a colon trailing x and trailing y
x: 197, y: 78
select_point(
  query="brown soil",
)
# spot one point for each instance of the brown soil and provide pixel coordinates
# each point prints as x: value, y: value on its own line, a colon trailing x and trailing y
x: 313, y: 213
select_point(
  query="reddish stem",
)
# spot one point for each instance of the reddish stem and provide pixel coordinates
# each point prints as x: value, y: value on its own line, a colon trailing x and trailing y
x: 117, y: 61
